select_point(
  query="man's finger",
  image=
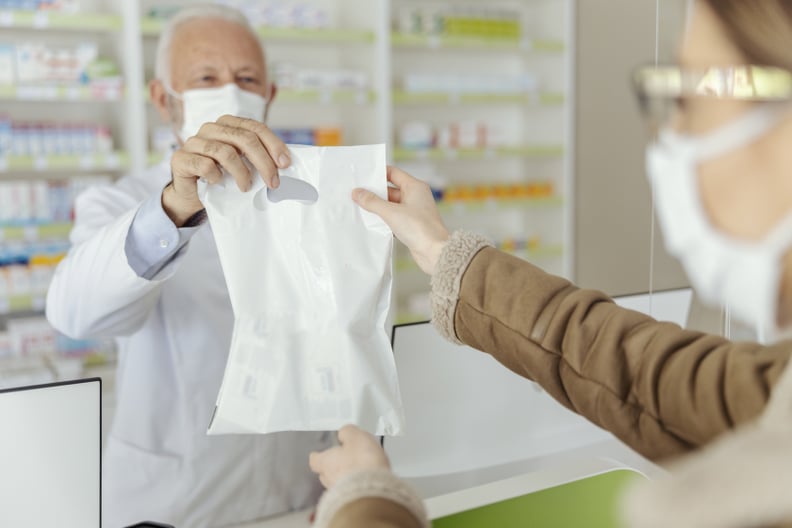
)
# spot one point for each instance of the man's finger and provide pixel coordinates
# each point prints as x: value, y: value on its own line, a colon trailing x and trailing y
x: 221, y: 153
x: 246, y: 143
x: 188, y: 165
x: 276, y: 149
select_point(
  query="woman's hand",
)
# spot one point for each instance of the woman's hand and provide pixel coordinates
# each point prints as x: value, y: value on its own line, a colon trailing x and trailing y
x: 411, y: 214
x: 359, y: 451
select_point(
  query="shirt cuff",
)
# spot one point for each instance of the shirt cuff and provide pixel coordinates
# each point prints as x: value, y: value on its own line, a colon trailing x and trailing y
x: 153, y: 240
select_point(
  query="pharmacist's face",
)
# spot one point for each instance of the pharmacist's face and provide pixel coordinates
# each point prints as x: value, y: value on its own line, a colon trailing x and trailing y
x: 210, y: 53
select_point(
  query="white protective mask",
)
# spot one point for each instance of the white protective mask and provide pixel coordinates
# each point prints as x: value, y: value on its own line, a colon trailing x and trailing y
x: 207, y: 105
x: 743, y: 276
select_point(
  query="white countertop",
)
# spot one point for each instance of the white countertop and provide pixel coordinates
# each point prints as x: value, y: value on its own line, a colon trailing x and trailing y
x: 492, y: 484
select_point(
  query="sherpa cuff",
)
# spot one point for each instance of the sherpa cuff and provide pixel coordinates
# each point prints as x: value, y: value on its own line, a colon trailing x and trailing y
x: 447, y: 279
x: 379, y: 483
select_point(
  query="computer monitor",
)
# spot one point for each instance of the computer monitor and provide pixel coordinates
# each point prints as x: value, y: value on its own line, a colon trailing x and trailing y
x: 50, y: 455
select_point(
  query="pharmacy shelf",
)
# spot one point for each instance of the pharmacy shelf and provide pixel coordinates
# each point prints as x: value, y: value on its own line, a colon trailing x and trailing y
x: 22, y: 303
x: 290, y: 96
x: 407, y: 40
x: 401, y: 97
x: 112, y: 161
x: 35, y: 233
x: 499, y: 204
x: 150, y: 27
x: 408, y: 265
x: 50, y: 20
x: 327, y: 96
x: 409, y: 318
x: 57, y: 93
x: 441, y: 154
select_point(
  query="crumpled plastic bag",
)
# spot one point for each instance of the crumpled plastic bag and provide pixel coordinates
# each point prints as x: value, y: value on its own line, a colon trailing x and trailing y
x: 310, y: 286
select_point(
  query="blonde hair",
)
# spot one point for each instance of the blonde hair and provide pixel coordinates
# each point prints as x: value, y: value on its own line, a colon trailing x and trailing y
x: 761, y: 29
x: 211, y: 11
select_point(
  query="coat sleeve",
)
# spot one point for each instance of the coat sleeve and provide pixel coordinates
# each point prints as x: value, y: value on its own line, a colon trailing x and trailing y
x: 95, y: 293
x: 661, y: 389
x: 371, y: 499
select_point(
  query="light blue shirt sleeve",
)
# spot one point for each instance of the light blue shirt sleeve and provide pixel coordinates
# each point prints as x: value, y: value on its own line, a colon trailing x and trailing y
x: 153, y: 240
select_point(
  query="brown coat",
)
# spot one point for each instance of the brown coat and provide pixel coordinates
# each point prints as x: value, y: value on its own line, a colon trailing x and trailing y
x: 662, y: 390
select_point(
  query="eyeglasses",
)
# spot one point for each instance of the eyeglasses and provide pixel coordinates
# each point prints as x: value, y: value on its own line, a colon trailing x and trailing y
x: 660, y: 88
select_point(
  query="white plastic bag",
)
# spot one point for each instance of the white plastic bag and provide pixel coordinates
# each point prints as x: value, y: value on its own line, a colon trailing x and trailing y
x: 310, y: 285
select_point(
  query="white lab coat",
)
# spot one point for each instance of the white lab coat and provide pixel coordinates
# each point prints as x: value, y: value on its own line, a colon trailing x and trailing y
x: 173, y: 337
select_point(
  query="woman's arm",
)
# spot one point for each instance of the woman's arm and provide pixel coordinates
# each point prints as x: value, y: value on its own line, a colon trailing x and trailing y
x: 661, y: 389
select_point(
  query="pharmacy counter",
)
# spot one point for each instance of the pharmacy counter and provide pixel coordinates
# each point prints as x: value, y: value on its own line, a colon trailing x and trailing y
x: 554, y: 489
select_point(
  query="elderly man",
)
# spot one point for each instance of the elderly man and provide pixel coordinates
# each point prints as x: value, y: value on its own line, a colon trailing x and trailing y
x: 144, y: 269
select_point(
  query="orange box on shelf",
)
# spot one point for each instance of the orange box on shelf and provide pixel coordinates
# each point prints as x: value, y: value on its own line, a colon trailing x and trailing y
x: 482, y: 192
x: 328, y: 137
x: 502, y: 191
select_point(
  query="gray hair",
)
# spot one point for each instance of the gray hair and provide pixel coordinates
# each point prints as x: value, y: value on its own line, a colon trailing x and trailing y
x: 162, y: 64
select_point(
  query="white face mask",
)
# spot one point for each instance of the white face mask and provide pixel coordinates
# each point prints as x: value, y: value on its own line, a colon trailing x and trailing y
x: 207, y: 105
x: 743, y: 276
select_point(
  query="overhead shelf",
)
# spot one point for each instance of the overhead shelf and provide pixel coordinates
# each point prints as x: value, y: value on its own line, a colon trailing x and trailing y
x: 326, y: 96
x: 407, y: 265
x: 544, y: 99
x: 44, y: 20
x: 35, y: 233
x: 57, y: 93
x: 150, y: 26
x: 22, y: 303
x: 407, y: 40
x: 500, y: 204
x: 111, y: 161
x: 440, y: 154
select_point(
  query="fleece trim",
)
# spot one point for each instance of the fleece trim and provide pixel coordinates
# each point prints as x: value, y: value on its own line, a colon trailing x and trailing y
x: 447, y: 279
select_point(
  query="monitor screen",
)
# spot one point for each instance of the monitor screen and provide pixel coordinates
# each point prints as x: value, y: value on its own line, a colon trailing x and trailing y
x: 50, y: 455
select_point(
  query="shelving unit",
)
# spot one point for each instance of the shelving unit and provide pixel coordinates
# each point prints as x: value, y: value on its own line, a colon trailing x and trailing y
x: 113, y: 161
x: 53, y: 20
x: 64, y: 103
x: 535, y: 140
x: 362, y: 36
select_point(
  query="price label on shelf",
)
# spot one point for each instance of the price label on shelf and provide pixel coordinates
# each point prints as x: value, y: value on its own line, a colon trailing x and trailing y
x: 6, y: 18
x: 5, y: 305
x: 41, y: 20
x: 112, y: 161
x: 433, y: 41
x: 38, y: 303
x: 361, y: 97
x: 325, y: 97
x: 87, y: 162
x: 451, y: 154
x: 526, y: 44
x: 72, y: 93
x: 422, y: 154
x: 489, y: 153
x: 3, y: 164
x: 30, y: 233
x: 37, y: 93
x: 454, y: 98
x: 40, y: 163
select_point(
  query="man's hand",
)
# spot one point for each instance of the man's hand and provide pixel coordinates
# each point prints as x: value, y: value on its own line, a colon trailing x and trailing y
x: 219, y: 146
x: 359, y: 451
